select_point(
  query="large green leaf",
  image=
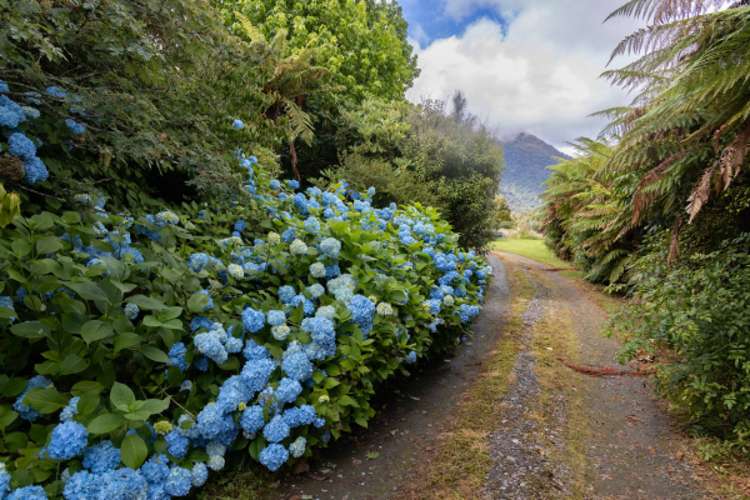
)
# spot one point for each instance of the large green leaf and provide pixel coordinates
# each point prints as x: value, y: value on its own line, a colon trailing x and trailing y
x: 95, y: 330
x: 30, y: 330
x: 45, y: 400
x: 105, y: 423
x: 146, y: 303
x: 122, y: 396
x: 88, y: 290
x: 48, y: 244
x: 133, y: 451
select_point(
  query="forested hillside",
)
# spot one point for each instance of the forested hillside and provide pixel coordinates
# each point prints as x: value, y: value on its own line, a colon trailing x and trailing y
x: 527, y: 159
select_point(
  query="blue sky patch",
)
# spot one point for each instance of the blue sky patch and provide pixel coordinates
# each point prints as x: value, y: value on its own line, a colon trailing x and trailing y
x: 428, y: 21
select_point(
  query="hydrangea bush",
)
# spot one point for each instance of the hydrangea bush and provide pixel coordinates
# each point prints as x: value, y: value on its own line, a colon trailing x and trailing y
x: 139, y: 349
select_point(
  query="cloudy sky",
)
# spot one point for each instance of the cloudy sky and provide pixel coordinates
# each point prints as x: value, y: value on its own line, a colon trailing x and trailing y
x: 524, y: 65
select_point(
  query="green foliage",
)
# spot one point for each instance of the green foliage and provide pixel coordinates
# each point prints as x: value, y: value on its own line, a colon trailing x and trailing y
x: 663, y: 210
x: 586, y: 212
x: 420, y: 153
x: 361, y: 44
x: 69, y: 320
x: 699, y: 310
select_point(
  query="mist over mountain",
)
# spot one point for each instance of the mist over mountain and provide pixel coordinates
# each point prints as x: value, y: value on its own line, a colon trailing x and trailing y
x: 526, y: 160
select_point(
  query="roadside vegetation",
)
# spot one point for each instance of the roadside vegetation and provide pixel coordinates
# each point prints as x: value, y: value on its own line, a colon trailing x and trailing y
x: 658, y: 208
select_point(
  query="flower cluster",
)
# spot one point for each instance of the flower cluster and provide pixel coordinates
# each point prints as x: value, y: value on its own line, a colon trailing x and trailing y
x: 284, y: 326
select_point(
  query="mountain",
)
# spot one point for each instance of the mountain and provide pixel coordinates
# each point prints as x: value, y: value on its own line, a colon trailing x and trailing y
x: 526, y: 160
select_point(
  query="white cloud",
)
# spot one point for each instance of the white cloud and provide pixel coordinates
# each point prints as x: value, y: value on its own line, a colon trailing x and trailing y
x: 542, y: 76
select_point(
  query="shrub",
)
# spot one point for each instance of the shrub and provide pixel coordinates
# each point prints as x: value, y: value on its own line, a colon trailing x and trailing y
x: 138, y: 348
x: 699, y: 309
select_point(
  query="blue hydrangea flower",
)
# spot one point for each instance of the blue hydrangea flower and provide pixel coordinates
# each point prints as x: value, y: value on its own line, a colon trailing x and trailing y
x: 177, y: 356
x: 68, y: 440
x: 276, y: 317
x: 200, y: 322
x: 70, y: 410
x: 363, y: 312
x: 199, y: 474
x: 288, y: 390
x: 234, y: 345
x: 288, y: 235
x: 295, y: 363
x: 276, y: 430
x: 213, y: 423
x: 323, y: 334
x: 286, y: 294
x: 11, y: 114
x: 35, y: 171
x: 299, y: 416
x: 312, y: 225
x: 292, y: 184
x: 275, y: 184
x: 75, y: 127
x: 253, y: 320
x: 331, y: 247
x: 101, y: 457
x: 55, y: 91
x: 198, y: 261
x: 211, y: 344
x: 252, y: 419
x: 233, y: 392
x: 28, y: 493
x: 156, y: 469
x: 21, y: 146
x: 256, y: 373
x: 274, y: 456
x: 467, y: 312
x: 177, y: 444
x: 179, y: 482
x: 4, y: 481
x: 254, y: 352
x: 411, y: 358
x: 132, y: 311
x: 24, y: 410
x: 238, y: 124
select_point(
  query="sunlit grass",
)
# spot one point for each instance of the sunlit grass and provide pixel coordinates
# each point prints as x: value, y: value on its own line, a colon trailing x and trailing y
x: 534, y: 249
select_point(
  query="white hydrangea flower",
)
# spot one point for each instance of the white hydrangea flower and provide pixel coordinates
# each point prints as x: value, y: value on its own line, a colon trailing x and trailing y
x: 318, y: 270
x: 236, y: 271
x: 273, y: 238
x: 298, y: 247
x: 280, y: 332
x: 384, y: 309
x: 448, y: 300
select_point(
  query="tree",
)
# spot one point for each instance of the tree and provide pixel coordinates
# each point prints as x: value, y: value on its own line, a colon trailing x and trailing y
x: 361, y: 44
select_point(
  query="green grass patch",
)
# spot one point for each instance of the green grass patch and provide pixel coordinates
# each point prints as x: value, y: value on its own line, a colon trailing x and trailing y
x: 534, y: 249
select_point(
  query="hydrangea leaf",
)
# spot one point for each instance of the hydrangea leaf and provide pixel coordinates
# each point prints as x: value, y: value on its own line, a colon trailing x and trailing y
x: 133, y: 451
x: 46, y: 400
x: 122, y: 396
x: 105, y: 423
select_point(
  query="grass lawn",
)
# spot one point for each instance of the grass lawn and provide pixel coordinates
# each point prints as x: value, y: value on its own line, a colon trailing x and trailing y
x: 534, y: 249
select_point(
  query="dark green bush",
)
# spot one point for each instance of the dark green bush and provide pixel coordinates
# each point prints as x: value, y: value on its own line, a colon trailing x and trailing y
x: 700, y: 310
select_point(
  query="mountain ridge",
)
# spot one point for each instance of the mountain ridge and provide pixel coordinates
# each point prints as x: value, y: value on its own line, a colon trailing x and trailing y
x: 527, y: 158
